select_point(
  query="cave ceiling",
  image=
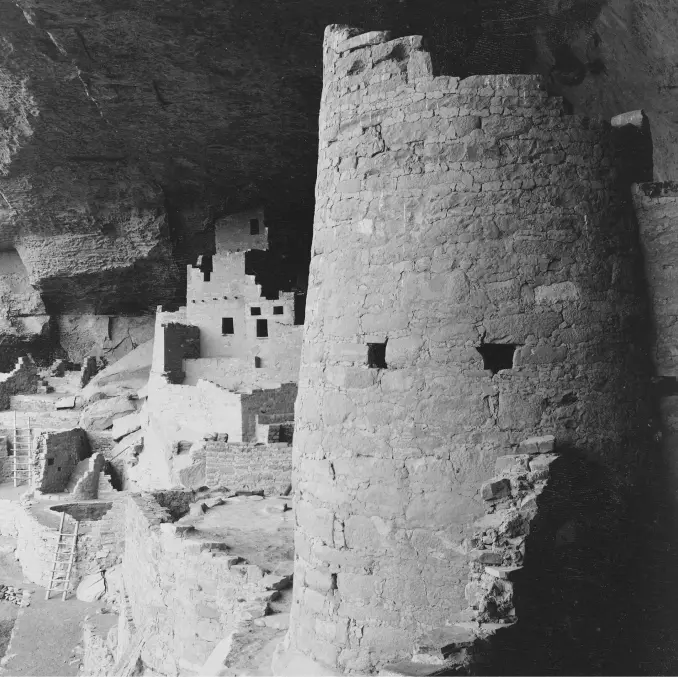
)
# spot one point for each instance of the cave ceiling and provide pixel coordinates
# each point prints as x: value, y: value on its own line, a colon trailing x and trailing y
x: 129, y: 127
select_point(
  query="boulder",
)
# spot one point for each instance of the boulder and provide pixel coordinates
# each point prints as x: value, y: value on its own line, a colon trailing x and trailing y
x: 100, y: 415
x: 190, y: 476
x: 66, y: 402
x: 197, y: 509
x: 125, y: 377
x: 126, y: 425
x: 91, y: 588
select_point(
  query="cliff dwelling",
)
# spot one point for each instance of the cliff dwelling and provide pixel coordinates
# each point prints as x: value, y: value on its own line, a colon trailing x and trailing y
x: 338, y: 341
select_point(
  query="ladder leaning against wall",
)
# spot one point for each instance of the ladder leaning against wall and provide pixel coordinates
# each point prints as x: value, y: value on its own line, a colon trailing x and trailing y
x: 23, y: 451
x: 64, y: 557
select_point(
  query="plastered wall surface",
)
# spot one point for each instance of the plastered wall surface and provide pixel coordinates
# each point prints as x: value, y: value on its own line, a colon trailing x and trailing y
x: 230, y: 293
x: 449, y: 214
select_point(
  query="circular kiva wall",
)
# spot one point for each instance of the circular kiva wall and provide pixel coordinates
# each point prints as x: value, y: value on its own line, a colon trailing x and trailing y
x: 451, y: 215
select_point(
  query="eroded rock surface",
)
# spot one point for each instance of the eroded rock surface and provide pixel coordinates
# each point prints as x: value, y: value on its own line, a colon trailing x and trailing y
x: 129, y: 128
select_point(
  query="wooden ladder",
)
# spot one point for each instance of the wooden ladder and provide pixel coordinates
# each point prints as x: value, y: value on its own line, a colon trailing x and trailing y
x: 64, y: 554
x: 23, y: 452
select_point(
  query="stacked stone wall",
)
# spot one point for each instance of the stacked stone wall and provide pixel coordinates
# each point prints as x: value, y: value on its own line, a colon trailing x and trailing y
x: 192, y: 592
x: 56, y: 456
x: 450, y: 214
x: 267, y: 401
x: 248, y: 467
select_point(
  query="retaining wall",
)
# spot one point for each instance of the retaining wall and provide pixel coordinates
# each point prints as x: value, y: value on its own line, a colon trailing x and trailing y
x: 192, y: 595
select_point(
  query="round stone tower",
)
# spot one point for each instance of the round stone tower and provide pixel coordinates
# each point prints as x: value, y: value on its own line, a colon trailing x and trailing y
x: 471, y: 286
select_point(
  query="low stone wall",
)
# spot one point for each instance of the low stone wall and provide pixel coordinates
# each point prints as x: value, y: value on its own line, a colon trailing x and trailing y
x: 100, y: 540
x: 106, y: 541
x: 34, y: 541
x: 192, y: 593
x: 22, y: 379
x: 248, y: 466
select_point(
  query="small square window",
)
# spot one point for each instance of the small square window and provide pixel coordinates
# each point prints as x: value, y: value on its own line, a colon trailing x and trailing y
x: 497, y: 356
x: 254, y: 226
x: 255, y: 311
x: 278, y: 310
x: 50, y: 461
x: 262, y: 328
x: 227, y: 325
x: 376, y: 355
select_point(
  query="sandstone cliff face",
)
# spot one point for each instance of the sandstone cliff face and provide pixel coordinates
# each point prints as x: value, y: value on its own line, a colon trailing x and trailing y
x: 128, y: 128
x: 86, y: 222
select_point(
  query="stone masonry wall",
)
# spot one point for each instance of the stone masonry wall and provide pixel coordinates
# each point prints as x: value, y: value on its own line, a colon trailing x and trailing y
x: 22, y: 379
x: 656, y: 207
x: 451, y: 215
x: 56, y: 456
x: 248, y: 466
x: 191, y: 592
x: 270, y: 401
x: 181, y: 341
x: 657, y: 212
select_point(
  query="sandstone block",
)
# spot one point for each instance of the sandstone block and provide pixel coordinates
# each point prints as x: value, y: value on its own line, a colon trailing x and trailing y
x: 91, y: 588
x: 273, y: 582
x: 495, y: 489
x: 441, y: 643
x: 542, y: 461
x: 554, y: 293
x: 512, y: 464
x: 363, y: 40
x: 197, y: 509
x: 505, y: 573
x: 486, y: 556
x: 538, y: 445
x: 65, y: 403
x: 100, y: 415
x: 125, y: 425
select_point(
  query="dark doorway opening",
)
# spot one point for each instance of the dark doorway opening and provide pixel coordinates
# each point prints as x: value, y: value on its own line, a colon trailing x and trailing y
x: 299, y: 308
x: 262, y: 328
x: 227, y: 325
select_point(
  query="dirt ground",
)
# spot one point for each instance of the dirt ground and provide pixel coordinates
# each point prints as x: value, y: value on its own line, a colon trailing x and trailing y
x: 46, y: 634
